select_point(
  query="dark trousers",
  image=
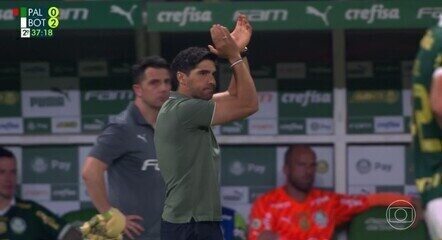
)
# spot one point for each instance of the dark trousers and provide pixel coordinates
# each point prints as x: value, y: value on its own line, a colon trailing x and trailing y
x: 191, y: 231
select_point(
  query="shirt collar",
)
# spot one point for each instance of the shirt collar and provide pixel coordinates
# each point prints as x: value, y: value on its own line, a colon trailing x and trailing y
x: 136, y: 114
x: 177, y: 95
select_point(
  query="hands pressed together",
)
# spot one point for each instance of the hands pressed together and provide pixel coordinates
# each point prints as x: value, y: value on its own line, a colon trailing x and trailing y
x: 229, y: 45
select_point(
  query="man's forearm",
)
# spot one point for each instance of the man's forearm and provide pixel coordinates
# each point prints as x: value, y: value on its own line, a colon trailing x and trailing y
x: 97, y: 191
x: 232, y: 89
x: 387, y: 198
x: 246, y: 91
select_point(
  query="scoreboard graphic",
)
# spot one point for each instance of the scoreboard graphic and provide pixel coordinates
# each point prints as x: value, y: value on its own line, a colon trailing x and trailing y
x: 37, y: 22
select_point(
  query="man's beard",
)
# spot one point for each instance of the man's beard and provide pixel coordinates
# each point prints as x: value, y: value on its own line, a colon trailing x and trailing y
x: 303, y: 187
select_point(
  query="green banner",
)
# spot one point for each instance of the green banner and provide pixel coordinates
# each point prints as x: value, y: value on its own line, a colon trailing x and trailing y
x: 274, y: 15
x: 50, y: 165
x: 377, y: 223
x: 374, y: 97
x: 265, y: 15
x: 37, y: 125
x: 79, y: 14
x: 248, y: 166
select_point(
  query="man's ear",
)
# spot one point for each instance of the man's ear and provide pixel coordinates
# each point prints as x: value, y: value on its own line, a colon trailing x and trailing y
x: 180, y: 76
x: 137, y: 89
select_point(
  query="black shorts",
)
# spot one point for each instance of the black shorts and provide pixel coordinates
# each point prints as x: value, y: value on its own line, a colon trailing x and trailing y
x: 191, y: 231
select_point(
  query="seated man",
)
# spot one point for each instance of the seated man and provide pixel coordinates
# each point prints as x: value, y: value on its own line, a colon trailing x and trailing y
x: 297, y: 211
x: 26, y: 220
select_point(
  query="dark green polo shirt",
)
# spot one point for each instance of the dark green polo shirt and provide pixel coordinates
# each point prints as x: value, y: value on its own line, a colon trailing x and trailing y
x: 27, y: 220
x: 188, y: 157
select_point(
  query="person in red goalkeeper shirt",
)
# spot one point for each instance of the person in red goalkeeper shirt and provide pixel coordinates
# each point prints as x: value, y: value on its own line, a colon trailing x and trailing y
x: 298, y: 211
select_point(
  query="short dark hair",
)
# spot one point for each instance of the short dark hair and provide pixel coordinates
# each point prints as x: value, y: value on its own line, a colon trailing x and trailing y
x: 186, y: 60
x: 6, y: 153
x: 141, y: 66
x: 292, y: 148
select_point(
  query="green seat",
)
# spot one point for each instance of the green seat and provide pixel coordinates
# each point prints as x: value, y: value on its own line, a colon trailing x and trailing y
x: 372, y: 224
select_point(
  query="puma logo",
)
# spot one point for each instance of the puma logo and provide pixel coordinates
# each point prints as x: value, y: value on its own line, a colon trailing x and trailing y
x: 315, y: 12
x: 142, y: 137
x: 127, y: 14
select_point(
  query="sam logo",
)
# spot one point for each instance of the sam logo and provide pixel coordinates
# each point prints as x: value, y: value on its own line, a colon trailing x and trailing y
x: 127, y: 14
x: 74, y: 13
x: 150, y: 163
x: 237, y: 168
x: 370, y: 15
x: 363, y: 166
x: 189, y: 14
x: 307, y: 98
x: 6, y: 15
x: 39, y: 165
x: 120, y: 95
x: 434, y: 12
x: 263, y: 15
